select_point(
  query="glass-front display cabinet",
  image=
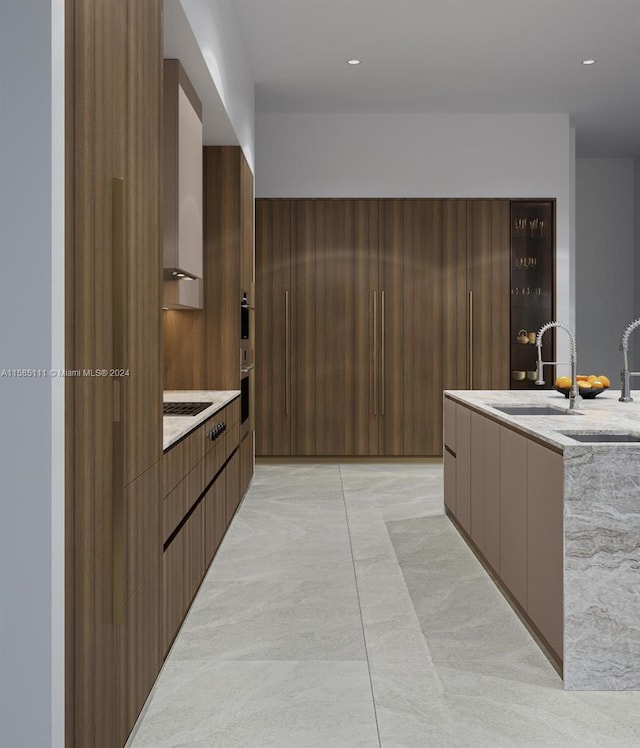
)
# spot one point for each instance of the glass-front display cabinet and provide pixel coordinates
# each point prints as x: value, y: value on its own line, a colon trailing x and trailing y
x: 532, y: 289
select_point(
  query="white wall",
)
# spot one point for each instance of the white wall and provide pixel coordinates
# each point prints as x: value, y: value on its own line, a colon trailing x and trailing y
x: 604, y: 262
x: 636, y: 245
x: 31, y: 336
x: 217, y: 31
x: 424, y: 155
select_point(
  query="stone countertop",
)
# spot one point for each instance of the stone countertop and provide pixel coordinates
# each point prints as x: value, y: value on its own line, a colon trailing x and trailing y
x: 601, y: 528
x: 176, y: 427
x: 602, y: 413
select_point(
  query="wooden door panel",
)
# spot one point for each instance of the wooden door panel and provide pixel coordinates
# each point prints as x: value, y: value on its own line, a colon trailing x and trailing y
x: 417, y: 294
x: 454, y: 309
x: 143, y: 384
x: 488, y: 253
x: 273, y: 320
x: 334, y: 248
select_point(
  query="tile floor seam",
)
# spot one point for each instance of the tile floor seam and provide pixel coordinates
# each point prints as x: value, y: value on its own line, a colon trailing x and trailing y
x: 355, y: 579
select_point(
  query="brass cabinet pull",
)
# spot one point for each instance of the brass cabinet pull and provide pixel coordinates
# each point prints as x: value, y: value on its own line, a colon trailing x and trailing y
x: 374, y: 333
x: 470, y: 346
x: 286, y: 353
x: 382, y: 353
x: 119, y: 316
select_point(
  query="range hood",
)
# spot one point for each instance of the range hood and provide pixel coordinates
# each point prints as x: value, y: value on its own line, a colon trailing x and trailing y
x: 182, y: 238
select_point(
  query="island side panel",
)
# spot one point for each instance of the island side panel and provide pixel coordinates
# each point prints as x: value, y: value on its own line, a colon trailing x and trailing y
x: 602, y: 568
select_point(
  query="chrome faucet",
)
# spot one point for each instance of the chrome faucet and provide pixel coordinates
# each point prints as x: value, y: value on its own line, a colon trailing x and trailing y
x: 625, y: 374
x: 574, y: 400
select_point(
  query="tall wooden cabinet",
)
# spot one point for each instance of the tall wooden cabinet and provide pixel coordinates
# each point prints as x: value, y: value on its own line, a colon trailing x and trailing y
x: 331, y: 328
x: 113, y: 435
x: 273, y: 320
x: 367, y: 310
x: 488, y: 257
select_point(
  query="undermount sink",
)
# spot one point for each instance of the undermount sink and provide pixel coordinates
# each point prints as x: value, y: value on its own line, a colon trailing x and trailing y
x: 532, y: 410
x: 594, y: 436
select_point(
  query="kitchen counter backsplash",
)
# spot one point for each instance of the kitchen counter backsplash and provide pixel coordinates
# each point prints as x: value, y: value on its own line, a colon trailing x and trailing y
x: 176, y: 427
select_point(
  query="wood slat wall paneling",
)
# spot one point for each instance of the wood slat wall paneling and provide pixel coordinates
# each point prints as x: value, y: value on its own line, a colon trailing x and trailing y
x: 183, y: 334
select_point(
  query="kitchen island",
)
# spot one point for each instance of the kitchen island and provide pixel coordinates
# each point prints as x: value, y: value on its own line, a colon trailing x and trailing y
x: 556, y: 521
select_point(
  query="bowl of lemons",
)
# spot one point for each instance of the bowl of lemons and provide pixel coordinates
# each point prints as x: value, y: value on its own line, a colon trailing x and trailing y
x: 589, y: 386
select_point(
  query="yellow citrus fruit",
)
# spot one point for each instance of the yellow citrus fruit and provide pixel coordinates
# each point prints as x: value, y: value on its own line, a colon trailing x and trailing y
x: 591, y: 378
x: 563, y: 382
x: 597, y: 384
x: 584, y: 385
x: 581, y: 377
x: 605, y: 380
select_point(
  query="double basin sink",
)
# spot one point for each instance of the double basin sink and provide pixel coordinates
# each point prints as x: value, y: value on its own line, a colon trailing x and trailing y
x: 580, y: 436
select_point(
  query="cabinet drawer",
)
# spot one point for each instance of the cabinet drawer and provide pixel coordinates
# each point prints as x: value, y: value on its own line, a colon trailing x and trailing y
x: 216, y: 457
x: 176, y: 505
x: 215, y: 508
x: 233, y: 411
x: 233, y: 438
x: 181, y: 459
x: 182, y: 572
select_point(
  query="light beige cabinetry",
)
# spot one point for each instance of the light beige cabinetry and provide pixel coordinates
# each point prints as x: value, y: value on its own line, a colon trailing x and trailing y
x: 505, y: 493
x: 545, y: 542
x: 182, y: 186
x: 513, y: 513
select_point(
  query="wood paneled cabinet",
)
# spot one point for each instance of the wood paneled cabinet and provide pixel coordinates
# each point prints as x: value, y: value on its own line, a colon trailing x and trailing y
x: 113, y: 305
x: 367, y: 310
x: 505, y: 492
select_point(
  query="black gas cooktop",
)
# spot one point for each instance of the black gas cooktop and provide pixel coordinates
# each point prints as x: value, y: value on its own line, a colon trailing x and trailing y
x: 183, y: 409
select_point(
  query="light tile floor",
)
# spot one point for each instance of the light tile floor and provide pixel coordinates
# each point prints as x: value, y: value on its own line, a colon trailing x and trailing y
x: 344, y: 610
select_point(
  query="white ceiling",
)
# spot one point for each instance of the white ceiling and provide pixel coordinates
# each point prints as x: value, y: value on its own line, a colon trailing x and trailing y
x: 453, y: 56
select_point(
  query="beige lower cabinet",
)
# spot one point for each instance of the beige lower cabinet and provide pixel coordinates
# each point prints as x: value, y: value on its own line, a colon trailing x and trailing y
x: 545, y: 477
x: 463, y: 468
x: 505, y: 492
x: 513, y: 513
x: 477, y: 480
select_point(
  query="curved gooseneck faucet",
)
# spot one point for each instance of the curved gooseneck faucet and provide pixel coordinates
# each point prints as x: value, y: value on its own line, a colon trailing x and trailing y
x: 574, y: 400
x: 625, y: 374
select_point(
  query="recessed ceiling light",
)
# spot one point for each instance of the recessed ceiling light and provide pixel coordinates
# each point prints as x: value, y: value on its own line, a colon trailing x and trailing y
x: 353, y: 62
x: 589, y: 61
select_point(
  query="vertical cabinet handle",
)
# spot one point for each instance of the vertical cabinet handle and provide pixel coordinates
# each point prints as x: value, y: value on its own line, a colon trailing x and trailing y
x: 374, y: 347
x: 382, y: 353
x: 286, y: 353
x: 119, y: 312
x: 470, y: 346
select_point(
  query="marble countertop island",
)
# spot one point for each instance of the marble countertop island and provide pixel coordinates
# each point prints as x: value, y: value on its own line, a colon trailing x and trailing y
x: 601, y: 530
x: 175, y: 428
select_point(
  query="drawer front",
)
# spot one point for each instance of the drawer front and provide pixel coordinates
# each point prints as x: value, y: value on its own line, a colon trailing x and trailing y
x: 216, y: 456
x: 233, y: 437
x: 182, y: 571
x: 233, y: 411
x: 176, y: 505
x: 181, y: 459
